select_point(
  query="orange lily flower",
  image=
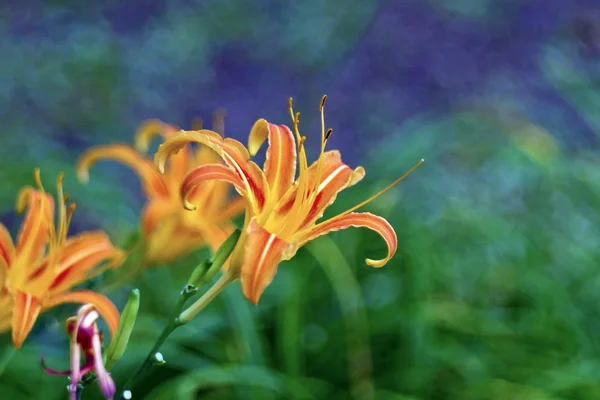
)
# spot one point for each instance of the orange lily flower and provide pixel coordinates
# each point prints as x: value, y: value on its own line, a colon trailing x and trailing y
x: 282, y: 212
x: 40, y: 269
x: 163, y: 218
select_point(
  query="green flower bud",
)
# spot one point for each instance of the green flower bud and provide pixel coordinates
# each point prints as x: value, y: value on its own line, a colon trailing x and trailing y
x: 119, y: 342
x: 197, y: 279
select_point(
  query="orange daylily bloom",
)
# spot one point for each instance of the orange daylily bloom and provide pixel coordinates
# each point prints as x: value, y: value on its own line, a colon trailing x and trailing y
x: 282, y: 211
x: 39, y: 271
x: 163, y: 218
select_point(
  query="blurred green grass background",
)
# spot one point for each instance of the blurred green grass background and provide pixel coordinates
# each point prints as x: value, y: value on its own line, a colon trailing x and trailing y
x: 493, y: 293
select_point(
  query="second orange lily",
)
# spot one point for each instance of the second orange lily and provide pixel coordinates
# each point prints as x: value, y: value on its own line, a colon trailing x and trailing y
x: 39, y: 271
x: 163, y: 216
x: 281, y: 212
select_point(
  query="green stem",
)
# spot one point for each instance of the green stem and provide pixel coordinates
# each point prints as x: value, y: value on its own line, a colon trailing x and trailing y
x: 192, y: 311
x: 179, y: 318
x: 173, y: 324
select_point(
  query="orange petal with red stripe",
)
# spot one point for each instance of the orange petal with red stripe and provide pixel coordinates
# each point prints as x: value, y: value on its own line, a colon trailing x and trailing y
x: 357, y: 220
x: 231, y: 151
x: 335, y: 176
x: 105, y: 307
x: 263, y: 253
x: 34, y: 233
x: 206, y: 173
x: 26, y: 309
x: 81, y: 257
x: 280, y: 163
x: 152, y: 181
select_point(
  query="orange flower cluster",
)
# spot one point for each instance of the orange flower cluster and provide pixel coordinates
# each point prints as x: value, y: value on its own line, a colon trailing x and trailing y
x: 188, y: 207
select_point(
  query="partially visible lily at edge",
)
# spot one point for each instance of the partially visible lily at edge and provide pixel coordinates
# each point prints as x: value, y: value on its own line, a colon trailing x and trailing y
x: 39, y: 271
x: 282, y: 210
x: 85, y: 340
x: 163, y: 216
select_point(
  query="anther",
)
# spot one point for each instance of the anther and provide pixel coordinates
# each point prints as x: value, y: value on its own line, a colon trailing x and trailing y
x: 323, y: 100
x: 328, y: 134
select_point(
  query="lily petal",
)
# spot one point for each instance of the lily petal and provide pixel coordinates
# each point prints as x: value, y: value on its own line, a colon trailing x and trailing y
x: 179, y: 164
x: 231, y: 151
x: 107, y: 386
x: 25, y: 312
x: 6, y: 306
x: 263, y: 253
x: 280, y: 162
x: 154, y: 212
x: 105, y: 307
x: 148, y: 130
x: 335, y: 176
x: 34, y: 233
x: 152, y: 181
x: 7, y: 248
x: 357, y: 220
x: 207, y: 173
x: 80, y: 258
x: 160, y: 246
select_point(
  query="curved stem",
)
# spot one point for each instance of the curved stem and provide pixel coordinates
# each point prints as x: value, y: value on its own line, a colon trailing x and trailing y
x: 193, y: 310
x: 173, y: 324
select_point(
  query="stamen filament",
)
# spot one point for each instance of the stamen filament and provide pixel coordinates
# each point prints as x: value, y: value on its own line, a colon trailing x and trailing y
x: 62, y: 211
x: 302, y: 174
x: 320, y: 159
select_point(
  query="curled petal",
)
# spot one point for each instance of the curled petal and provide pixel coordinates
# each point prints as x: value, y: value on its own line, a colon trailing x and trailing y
x: 263, y: 253
x: 152, y: 181
x: 25, y: 312
x: 280, y: 163
x: 81, y: 257
x: 206, y: 173
x: 357, y: 220
x: 34, y: 233
x: 179, y: 164
x: 105, y: 307
x: 231, y: 151
x: 147, y: 131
